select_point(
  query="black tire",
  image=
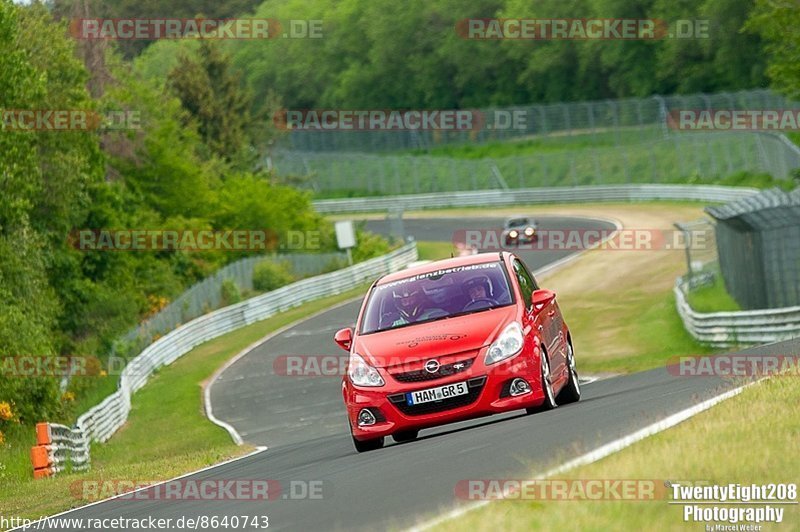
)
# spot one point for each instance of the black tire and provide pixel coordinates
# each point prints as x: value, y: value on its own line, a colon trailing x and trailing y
x: 549, y: 398
x: 368, y: 445
x: 405, y: 435
x: 571, y: 393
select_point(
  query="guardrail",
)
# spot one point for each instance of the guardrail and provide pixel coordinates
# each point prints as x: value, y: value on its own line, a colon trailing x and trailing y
x: 58, y: 447
x: 103, y: 420
x: 207, y: 294
x: 745, y: 327
x: 533, y: 196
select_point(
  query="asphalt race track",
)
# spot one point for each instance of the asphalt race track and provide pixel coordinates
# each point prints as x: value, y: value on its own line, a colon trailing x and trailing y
x: 302, y: 421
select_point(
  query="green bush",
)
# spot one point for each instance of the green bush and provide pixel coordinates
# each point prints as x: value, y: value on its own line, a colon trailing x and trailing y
x: 334, y: 264
x: 369, y: 245
x: 230, y: 292
x: 270, y: 275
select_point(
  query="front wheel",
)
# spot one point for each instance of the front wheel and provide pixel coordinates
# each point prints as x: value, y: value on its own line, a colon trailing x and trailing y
x: 547, y: 387
x: 572, y: 391
x: 368, y: 445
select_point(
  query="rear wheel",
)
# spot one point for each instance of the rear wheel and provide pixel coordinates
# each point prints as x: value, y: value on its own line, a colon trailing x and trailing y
x: 572, y: 391
x: 547, y: 387
x: 368, y: 445
x: 405, y: 435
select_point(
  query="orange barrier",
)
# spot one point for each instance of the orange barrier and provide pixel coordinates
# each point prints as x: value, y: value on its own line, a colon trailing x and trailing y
x: 40, y: 453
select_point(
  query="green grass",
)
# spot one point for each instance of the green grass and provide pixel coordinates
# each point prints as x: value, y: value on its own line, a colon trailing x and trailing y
x: 715, y: 446
x: 757, y: 180
x: 539, y: 144
x: 646, y: 325
x: 607, y: 158
x: 167, y: 433
x: 712, y: 298
x: 429, y: 250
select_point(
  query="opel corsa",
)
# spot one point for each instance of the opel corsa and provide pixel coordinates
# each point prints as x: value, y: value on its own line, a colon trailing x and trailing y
x: 453, y: 340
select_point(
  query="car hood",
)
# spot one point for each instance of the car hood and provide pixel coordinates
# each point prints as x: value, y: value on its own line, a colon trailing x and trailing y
x: 443, y: 337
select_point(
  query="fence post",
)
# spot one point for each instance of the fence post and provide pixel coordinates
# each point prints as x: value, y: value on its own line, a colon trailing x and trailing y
x: 40, y: 453
x: 662, y: 115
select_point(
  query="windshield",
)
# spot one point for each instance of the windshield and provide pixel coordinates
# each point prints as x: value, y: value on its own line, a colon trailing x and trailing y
x: 436, y: 295
x: 517, y: 222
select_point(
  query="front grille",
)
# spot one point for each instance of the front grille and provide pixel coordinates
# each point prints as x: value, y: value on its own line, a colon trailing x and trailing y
x: 475, y: 386
x: 445, y: 370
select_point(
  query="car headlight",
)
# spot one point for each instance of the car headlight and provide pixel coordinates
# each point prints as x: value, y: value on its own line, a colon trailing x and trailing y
x: 361, y: 373
x: 513, y: 233
x: 529, y: 231
x: 508, y: 344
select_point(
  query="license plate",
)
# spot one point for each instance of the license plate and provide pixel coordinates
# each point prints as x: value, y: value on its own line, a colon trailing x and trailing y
x: 437, y: 394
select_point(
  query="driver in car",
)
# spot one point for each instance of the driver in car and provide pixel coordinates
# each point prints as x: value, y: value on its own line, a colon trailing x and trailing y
x: 410, y: 306
x: 479, y: 289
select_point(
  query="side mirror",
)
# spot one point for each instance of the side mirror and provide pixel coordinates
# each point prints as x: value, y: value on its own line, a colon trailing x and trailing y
x: 344, y: 337
x: 542, y: 297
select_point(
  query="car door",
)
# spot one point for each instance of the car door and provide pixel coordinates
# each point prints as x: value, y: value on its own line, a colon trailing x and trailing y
x: 547, y: 320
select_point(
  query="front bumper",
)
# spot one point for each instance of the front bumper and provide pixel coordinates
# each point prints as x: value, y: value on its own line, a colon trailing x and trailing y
x: 488, y: 394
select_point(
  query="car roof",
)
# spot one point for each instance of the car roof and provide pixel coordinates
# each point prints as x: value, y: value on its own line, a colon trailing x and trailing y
x: 517, y: 218
x: 480, y: 258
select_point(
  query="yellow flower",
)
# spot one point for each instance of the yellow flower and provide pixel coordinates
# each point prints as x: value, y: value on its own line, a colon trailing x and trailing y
x: 2, y: 438
x: 5, y: 412
x: 68, y: 396
x: 103, y: 373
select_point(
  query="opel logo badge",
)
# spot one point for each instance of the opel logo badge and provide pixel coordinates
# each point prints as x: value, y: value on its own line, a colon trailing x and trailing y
x: 432, y: 366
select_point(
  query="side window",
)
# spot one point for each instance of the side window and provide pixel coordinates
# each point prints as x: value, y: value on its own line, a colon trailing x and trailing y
x: 533, y: 279
x: 526, y: 282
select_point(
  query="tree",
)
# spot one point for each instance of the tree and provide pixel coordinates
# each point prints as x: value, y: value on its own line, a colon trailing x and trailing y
x: 211, y: 91
x: 778, y: 23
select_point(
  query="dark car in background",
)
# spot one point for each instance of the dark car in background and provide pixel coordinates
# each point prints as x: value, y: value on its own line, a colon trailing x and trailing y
x: 519, y: 230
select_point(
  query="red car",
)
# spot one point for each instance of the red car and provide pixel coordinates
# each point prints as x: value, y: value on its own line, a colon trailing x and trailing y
x: 452, y: 340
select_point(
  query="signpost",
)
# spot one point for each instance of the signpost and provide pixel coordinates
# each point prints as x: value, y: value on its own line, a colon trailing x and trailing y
x: 346, y: 237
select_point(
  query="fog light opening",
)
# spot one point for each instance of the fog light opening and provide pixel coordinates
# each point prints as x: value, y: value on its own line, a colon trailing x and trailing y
x: 366, y: 418
x: 519, y: 387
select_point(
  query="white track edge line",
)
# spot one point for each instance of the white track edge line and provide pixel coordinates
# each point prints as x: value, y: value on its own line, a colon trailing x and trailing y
x: 257, y: 450
x: 207, y: 403
x: 602, y: 451
x: 209, y: 411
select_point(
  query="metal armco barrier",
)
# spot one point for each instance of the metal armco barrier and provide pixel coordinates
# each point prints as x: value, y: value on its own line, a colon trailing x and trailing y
x: 747, y: 327
x: 57, y: 449
x: 533, y: 196
x: 59, y: 445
